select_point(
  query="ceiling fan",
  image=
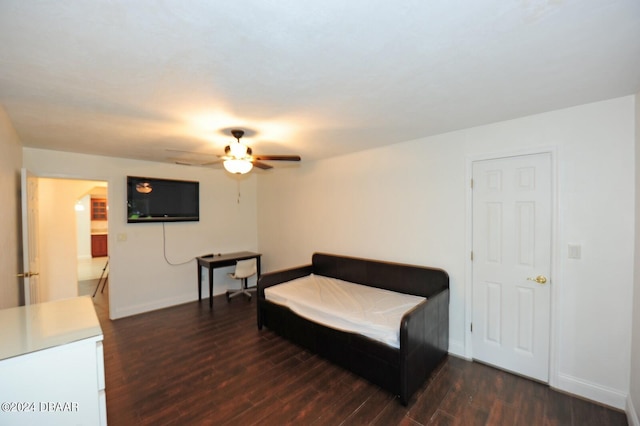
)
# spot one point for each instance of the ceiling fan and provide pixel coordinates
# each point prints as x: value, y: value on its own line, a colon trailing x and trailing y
x: 238, y: 158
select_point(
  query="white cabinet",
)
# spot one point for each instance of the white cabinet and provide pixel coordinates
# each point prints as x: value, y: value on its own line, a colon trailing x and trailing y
x: 52, y: 364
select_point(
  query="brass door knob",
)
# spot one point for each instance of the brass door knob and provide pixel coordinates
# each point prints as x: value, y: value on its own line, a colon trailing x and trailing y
x: 540, y: 279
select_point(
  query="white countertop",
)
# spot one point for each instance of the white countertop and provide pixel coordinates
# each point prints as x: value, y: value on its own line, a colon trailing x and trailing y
x: 32, y: 328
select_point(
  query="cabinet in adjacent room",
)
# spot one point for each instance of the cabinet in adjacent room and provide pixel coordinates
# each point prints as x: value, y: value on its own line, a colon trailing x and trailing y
x: 98, y: 209
x: 99, y: 246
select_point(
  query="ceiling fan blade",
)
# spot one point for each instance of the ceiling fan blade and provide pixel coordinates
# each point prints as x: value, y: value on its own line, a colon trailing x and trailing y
x: 262, y: 166
x: 193, y: 162
x: 182, y: 161
x: 277, y: 157
x: 189, y: 152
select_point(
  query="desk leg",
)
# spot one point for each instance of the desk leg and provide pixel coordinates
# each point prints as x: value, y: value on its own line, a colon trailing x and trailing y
x: 199, y: 281
x: 210, y: 287
x: 258, y: 268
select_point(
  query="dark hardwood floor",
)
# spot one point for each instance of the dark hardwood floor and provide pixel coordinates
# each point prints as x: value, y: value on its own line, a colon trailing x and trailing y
x: 187, y: 365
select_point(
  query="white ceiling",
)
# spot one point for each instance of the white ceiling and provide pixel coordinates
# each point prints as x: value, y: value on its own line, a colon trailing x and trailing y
x: 317, y: 78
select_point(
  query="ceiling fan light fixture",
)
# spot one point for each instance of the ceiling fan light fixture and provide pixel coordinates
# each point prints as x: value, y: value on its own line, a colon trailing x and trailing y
x: 238, y: 150
x: 239, y: 167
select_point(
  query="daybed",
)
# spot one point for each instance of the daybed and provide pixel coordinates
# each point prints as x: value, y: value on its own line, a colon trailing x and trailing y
x: 423, y: 331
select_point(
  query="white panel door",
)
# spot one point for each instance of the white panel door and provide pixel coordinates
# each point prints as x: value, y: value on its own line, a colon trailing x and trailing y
x: 30, y: 249
x: 511, y: 263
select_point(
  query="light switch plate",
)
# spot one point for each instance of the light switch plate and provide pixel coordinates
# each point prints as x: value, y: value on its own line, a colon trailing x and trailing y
x: 575, y: 251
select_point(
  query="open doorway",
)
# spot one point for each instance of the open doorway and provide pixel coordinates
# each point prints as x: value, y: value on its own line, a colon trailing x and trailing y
x: 93, y: 272
x: 68, y: 266
x: 92, y: 230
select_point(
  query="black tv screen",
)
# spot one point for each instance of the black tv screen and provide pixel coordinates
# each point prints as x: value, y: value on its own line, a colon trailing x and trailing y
x: 162, y: 200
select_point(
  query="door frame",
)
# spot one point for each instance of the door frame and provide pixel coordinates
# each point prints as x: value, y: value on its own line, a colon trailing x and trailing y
x: 64, y: 176
x: 30, y: 241
x: 555, y: 261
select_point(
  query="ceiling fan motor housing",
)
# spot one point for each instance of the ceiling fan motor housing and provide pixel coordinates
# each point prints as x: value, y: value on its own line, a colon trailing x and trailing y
x: 237, y: 133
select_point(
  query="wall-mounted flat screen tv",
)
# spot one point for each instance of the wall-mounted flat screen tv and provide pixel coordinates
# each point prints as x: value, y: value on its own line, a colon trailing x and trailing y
x: 162, y: 200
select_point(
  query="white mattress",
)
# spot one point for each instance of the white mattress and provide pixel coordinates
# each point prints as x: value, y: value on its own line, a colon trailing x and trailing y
x: 372, y: 312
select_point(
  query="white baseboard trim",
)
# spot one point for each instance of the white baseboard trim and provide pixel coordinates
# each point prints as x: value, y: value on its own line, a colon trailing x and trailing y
x: 632, y: 414
x: 595, y: 392
x: 141, y: 308
x: 456, y: 348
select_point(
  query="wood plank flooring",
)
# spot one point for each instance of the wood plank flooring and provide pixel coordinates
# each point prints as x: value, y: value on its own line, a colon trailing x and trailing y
x: 187, y: 365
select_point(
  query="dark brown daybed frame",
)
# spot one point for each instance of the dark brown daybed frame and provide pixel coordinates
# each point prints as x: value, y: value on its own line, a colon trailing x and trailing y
x: 424, y: 331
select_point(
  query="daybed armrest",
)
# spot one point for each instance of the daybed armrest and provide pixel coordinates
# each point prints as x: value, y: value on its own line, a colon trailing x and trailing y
x: 424, y: 339
x: 277, y: 277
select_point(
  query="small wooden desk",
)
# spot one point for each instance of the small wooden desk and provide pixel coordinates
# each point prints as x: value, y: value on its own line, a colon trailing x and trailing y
x: 219, y: 261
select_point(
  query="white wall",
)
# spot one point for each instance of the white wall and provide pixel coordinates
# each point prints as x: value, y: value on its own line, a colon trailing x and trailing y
x: 11, y: 293
x: 83, y: 228
x: 139, y: 277
x: 633, y: 404
x: 407, y: 203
